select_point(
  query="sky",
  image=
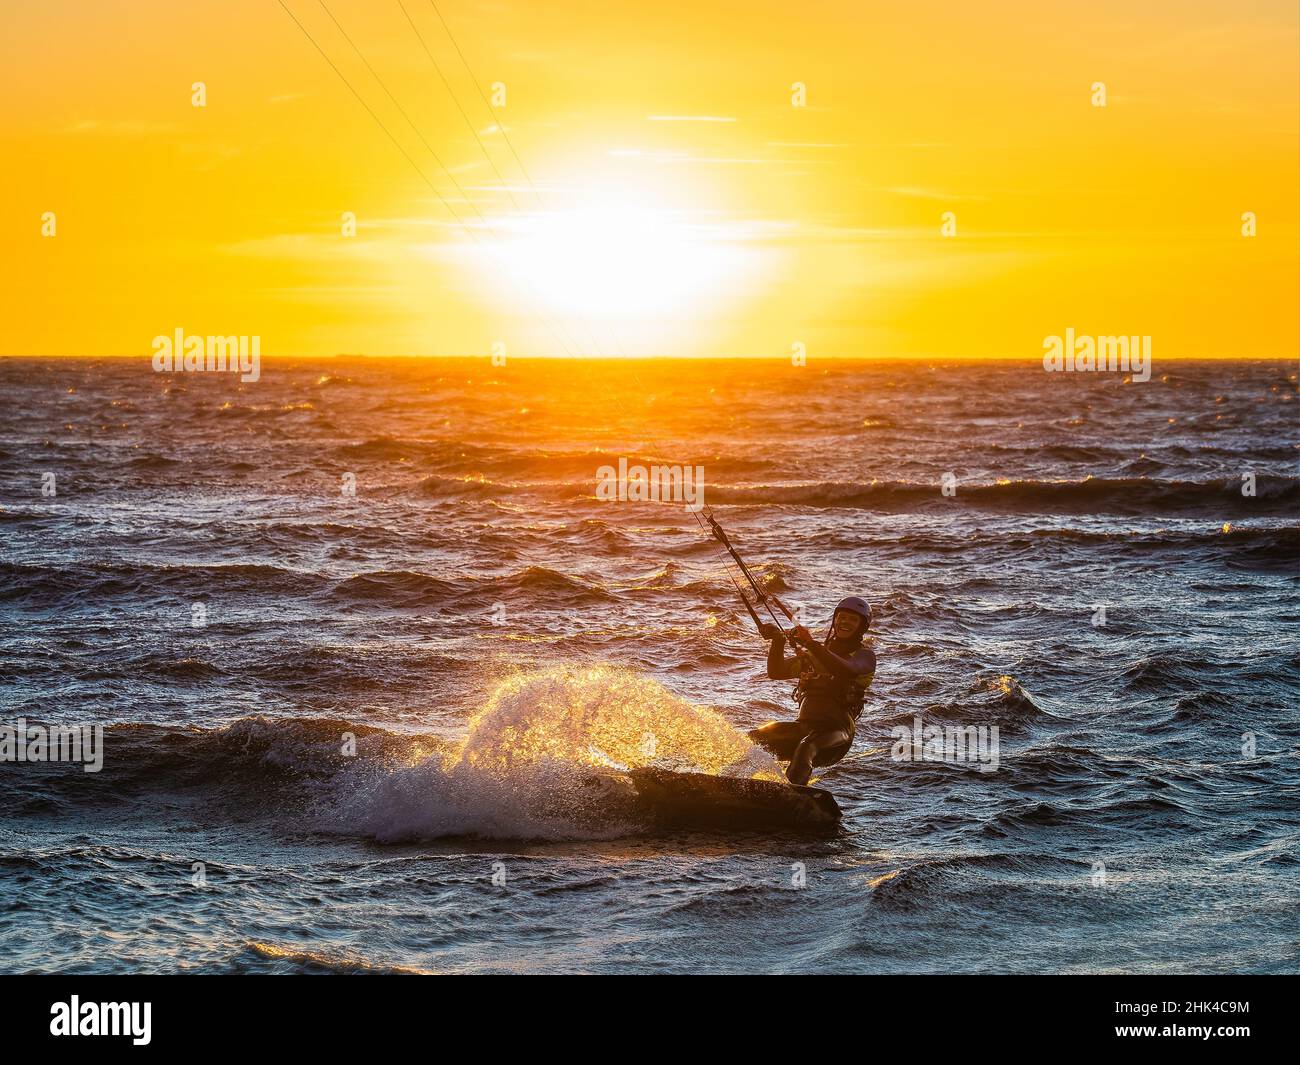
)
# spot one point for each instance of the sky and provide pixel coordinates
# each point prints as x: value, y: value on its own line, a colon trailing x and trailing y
x: 841, y: 179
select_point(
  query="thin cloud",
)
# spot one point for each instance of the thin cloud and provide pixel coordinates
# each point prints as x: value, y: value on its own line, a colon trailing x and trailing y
x: 917, y: 193
x: 690, y: 118
x: 129, y: 127
x: 804, y: 144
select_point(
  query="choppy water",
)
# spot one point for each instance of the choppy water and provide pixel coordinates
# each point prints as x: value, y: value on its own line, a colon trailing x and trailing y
x: 485, y: 628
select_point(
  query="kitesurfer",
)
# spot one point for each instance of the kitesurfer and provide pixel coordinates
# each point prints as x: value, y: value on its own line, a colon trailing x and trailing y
x: 833, y: 676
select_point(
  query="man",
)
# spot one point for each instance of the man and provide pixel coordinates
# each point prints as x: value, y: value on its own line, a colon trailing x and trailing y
x: 833, y: 678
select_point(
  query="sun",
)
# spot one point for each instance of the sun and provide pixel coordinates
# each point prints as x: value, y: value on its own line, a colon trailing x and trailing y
x: 617, y: 264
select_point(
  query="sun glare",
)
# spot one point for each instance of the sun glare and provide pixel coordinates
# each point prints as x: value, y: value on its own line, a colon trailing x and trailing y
x: 612, y: 263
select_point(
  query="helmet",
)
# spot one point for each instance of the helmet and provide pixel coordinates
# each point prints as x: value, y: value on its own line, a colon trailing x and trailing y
x: 855, y: 605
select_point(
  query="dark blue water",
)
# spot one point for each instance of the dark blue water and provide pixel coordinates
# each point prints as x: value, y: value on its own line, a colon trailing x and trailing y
x: 489, y: 632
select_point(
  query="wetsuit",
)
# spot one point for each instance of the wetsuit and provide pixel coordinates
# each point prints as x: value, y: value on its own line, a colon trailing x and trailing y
x: 829, y: 694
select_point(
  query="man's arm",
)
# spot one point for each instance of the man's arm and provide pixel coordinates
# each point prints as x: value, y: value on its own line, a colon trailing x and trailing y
x: 859, y: 664
x: 778, y: 666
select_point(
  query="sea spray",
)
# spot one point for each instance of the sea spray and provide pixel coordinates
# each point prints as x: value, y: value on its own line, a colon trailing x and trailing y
x: 531, y: 764
x: 598, y: 716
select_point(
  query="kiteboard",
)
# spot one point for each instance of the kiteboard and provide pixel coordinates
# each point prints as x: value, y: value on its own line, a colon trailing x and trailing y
x: 701, y: 800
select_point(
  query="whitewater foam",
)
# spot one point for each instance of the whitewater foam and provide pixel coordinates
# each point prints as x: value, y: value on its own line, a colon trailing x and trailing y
x: 531, y: 763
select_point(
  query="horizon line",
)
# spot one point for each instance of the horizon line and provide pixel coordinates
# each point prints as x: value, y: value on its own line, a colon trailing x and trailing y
x: 673, y: 358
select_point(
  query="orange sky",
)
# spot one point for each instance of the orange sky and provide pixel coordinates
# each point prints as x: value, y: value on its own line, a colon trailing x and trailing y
x: 680, y: 203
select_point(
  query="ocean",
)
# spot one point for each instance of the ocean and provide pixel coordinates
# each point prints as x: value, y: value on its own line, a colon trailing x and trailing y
x: 357, y: 634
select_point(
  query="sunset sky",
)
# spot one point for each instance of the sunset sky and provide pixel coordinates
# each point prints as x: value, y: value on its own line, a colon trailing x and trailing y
x: 679, y: 202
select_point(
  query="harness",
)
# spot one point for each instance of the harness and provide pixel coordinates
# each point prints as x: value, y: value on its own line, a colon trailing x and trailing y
x: 846, y: 694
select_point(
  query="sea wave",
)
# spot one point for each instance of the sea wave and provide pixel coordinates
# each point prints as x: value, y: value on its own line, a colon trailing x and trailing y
x: 45, y: 586
x: 532, y: 766
x: 1274, y: 495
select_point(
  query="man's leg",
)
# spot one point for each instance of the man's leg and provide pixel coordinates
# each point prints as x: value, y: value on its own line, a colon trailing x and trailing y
x: 780, y: 737
x: 818, y: 748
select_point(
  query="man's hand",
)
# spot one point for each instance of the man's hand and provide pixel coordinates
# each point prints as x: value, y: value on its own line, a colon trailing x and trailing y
x: 800, y: 634
x: 769, y: 631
